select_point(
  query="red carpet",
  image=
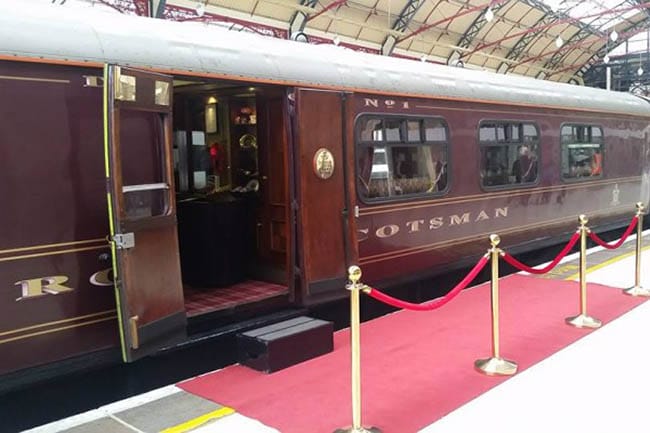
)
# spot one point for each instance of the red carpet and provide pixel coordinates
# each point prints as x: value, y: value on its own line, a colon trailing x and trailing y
x: 417, y: 366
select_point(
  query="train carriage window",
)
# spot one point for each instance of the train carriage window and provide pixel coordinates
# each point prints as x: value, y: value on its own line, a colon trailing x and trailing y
x: 372, y: 130
x: 393, y: 130
x: 413, y: 131
x: 509, y: 154
x: 411, y: 159
x: 582, y: 152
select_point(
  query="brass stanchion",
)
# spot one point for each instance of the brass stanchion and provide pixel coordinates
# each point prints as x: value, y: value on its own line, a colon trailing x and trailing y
x: 495, y: 365
x: 637, y: 289
x: 582, y: 320
x: 354, y: 274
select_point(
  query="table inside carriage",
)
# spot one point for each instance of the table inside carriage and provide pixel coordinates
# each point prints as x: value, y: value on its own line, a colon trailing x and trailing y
x: 215, y: 239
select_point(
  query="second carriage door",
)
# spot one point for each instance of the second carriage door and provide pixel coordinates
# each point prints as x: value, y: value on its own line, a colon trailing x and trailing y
x: 324, y: 198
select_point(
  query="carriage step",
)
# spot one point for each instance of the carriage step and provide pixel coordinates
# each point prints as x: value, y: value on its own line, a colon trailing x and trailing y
x: 284, y: 344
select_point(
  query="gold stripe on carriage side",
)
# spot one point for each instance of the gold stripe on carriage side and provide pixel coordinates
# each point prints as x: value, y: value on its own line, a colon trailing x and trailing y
x: 56, y: 322
x: 45, y: 246
x: 63, y: 328
x: 428, y: 247
x: 41, y: 80
x: 52, y: 253
x: 486, y: 196
x: 437, y: 245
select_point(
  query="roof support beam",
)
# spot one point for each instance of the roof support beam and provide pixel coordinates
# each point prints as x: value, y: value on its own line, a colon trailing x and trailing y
x: 461, y: 13
x: 401, y: 24
x: 299, y: 19
x: 572, y: 43
x: 526, y: 40
x: 575, y: 21
x: 472, y: 31
x: 634, y: 29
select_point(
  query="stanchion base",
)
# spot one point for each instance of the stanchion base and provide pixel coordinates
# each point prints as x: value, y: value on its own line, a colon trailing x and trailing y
x: 583, y: 321
x: 637, y: 291
x: 495, y: 366
x: 358, y: 430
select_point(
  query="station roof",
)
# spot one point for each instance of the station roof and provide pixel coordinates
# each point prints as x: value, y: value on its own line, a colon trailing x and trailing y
x: 557, y: 40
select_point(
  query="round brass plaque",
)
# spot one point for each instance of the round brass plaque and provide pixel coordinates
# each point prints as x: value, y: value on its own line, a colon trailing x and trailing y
x: 323, y: 163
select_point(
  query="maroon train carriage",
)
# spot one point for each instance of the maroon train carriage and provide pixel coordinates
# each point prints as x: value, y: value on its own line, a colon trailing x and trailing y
x: 205, y: 170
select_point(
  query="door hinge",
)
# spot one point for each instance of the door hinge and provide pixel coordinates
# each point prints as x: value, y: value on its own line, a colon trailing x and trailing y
x: 124, y: 241
x: 93, y: 81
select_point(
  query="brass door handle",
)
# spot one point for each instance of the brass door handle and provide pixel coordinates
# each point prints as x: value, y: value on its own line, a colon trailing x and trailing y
x: 135, y: 340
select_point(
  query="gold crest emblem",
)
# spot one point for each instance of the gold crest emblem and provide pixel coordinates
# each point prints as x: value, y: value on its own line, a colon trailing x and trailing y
x: 323, y: 163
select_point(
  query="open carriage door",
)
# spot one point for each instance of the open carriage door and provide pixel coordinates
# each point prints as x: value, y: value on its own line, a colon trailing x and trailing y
x: 139, y: 170
x: 324, y: 164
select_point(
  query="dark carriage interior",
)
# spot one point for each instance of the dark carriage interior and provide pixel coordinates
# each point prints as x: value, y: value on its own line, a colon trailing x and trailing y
x: 231, y: 193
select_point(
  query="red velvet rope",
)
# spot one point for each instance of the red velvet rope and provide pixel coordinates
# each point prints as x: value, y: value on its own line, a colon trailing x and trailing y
x: 436, y: 303
x: 594, y: 237
x: 517, y: 264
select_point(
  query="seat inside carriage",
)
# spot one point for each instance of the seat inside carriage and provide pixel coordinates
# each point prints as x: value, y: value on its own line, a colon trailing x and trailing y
x: 230, y: 204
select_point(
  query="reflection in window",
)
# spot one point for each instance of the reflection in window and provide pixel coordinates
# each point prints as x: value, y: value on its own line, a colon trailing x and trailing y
x: 393, y: 130
x: 509, y: 153
x: 371, y: 130
x: 398, y: 167
x: 582, y: 156
x: 413, y: 131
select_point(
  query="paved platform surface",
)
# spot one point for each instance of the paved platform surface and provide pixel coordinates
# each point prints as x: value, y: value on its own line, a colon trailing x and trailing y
x: 597, y: 384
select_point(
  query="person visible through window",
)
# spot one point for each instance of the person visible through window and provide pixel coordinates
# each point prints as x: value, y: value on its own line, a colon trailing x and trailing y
x: 524, y: 169
x: 597, y: 163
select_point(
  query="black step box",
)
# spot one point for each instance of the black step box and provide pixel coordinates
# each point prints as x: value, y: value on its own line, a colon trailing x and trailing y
x: 284, y: 344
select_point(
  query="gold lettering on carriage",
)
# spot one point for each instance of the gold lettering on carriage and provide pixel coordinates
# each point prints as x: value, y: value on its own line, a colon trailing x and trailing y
x: 385, y: 103
x: 55, y: 285
x: 37, y: 287
x: 434, y: 223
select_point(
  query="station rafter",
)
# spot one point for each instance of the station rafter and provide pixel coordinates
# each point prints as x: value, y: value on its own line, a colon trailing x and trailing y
x: 401, y: 25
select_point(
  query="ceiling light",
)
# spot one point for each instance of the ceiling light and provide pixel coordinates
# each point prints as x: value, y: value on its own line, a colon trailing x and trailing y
x: 639, y: 71
x: 489, y: 15
x: 423, y: 58
x: 606, y: 58
x: 559, y: 42
x: 614, y: 36
x: 336, y: 40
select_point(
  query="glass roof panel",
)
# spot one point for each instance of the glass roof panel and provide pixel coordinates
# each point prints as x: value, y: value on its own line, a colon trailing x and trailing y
x: 601, y: 14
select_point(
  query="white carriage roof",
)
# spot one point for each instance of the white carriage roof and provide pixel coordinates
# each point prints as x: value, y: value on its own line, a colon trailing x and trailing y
x: 89, y: 35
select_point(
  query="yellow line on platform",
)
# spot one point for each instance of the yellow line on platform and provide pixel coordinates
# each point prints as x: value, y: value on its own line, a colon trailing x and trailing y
x: 196, y: 422
x: 607, y: 263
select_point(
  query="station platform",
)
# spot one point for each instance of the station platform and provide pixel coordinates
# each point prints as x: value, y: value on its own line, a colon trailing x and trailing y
x: 418, y: 373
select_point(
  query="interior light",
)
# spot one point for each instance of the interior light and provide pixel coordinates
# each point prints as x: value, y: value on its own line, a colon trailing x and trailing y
x: 423, y: 58
x: 251, y: 89
x: 212, y: 100
x: 489, y: 15
x: 614, y: 36
x: 559, y: 42
x: 639, y: 71
x: 336, y: 40
x: 606, y: 58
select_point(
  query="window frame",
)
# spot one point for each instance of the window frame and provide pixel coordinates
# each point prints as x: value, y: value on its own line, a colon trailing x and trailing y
x: 496, y: 143
x: 403, y: 118
x: 602, y: 152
